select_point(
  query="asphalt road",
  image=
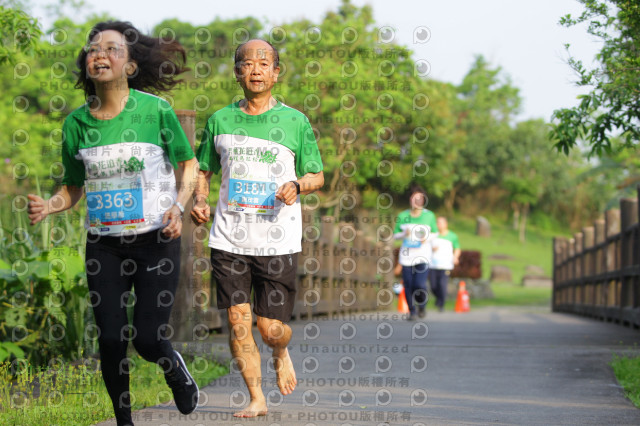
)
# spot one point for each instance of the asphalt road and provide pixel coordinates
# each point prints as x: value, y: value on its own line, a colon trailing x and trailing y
x: 516, y: 366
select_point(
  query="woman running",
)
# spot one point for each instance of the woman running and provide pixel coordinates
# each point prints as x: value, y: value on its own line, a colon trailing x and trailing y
x: 121, y: 149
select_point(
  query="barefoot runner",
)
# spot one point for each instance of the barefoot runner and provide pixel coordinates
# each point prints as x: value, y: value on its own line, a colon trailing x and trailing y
x: 267, y: 155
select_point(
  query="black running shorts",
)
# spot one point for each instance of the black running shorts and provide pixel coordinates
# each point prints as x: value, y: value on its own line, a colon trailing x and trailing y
x: 272, y: 278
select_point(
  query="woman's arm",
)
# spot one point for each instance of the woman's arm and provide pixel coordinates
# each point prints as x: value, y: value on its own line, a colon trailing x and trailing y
x: 186, y: 179
x: 201, y: 212
x: 66, y: 197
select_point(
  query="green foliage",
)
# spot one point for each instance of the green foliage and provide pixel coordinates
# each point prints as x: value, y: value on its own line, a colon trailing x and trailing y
x: 75, y: 394
x: 627, y: 371
x: 43, y: 293
x: 43, y: 304
x: 20, y: 32
x: 613, y: 104
x: 380, y: 123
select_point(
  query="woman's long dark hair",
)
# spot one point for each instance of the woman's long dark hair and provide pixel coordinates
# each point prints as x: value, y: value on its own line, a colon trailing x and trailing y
x: 159, y: 61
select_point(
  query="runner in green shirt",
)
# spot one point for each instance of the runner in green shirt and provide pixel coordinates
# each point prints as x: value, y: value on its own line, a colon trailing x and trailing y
x: 266, y: 155
x: 127, y: 151
x: 417, y: 228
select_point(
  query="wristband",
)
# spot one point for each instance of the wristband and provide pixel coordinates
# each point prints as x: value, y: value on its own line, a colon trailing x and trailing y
x: 180, y: 206
x: 297, y: 186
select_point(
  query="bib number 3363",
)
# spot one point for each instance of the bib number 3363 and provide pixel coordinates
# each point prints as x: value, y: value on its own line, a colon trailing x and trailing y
x: 118, y: 205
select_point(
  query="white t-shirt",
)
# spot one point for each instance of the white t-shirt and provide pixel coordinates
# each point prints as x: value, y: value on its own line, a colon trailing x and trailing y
x: 443, y: 251
x: 256, y: 155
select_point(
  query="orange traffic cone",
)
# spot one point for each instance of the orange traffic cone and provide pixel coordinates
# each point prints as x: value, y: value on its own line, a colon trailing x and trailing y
x: 403, y: 308
x: 462, y: 302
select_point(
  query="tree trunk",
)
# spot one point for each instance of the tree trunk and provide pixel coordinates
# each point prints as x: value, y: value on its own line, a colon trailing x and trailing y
x: 516, y: 215
x: 450, y: 200
x: 523, y: 221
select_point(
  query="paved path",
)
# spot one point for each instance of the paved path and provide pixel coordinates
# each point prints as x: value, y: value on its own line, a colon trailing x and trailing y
x: 489, y: 366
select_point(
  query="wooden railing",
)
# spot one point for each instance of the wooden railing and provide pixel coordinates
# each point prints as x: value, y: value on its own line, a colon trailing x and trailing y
x: 342, y: 270
x: 597, y: 272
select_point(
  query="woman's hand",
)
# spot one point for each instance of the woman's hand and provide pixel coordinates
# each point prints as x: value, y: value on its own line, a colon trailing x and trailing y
x: 200, y: 212
x: 174, y: 217
x: 37, y: 208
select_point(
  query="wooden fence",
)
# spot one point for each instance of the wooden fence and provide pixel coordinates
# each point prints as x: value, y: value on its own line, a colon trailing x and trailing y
x: 597, y: 272
x: 340, y: 270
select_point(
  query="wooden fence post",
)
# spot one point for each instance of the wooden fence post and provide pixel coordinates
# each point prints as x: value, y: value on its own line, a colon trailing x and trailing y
x: 579, y: 265
x: 587, y: 262
x: 595, y: 286
x: 557, y: 297
x: 187, y: 314
x: 611, y: 294
x: 628, y: 217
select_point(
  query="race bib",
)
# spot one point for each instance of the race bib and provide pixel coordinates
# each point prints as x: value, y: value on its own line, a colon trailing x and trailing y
x: 114, y: 205
x: 417, y: 233
x: 411, y: 244
x: 251, y: 196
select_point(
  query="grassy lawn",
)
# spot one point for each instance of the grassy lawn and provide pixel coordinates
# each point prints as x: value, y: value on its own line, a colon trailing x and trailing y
x: 76, y: 394
x: 627, y: 372
x: 510, y: 295
x: 537, y: 250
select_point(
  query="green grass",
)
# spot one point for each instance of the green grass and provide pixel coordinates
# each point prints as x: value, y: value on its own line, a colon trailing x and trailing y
x: 505, y: 295
x: 627, y: 371
x: 509, y: 295
x: 77, y: 395
x: 537, y: 250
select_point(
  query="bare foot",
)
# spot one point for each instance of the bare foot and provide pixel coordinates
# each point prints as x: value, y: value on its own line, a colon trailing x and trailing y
x: 284, y: 370
x: 254, y: 409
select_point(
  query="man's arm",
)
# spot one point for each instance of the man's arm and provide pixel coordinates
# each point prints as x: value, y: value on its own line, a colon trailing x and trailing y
x: 201, y: 212
x: 309, y: 183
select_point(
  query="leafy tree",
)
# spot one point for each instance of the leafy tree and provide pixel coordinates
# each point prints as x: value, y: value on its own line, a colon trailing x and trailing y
x: 529, y: 160
x: 380, y: 123
x: 19, y: 32
x: 360, y: 94
x: 620, y: 170
x: 487, y: 103
x: 613, y: 104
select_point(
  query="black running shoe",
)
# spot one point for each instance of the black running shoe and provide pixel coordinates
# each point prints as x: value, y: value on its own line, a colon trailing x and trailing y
x: 184, y: 388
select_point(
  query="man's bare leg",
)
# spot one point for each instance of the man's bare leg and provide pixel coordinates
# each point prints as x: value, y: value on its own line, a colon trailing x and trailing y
x: 277, y: 335
x: 245, y: 352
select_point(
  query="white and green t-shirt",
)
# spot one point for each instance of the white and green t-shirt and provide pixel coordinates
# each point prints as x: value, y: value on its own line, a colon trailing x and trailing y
x: 125, y: 163
x: 417, y: 234
x: 256, y: 154
x: 443, y: 256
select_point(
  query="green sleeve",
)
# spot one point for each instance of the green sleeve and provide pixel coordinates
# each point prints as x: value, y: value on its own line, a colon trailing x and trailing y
x: 174, y: 140
x: 399, y: 221
x: 74, y: 171
x: 433, y: 224
x: 454, y: 241
x: 207, y: 155
x: 308, y: 158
